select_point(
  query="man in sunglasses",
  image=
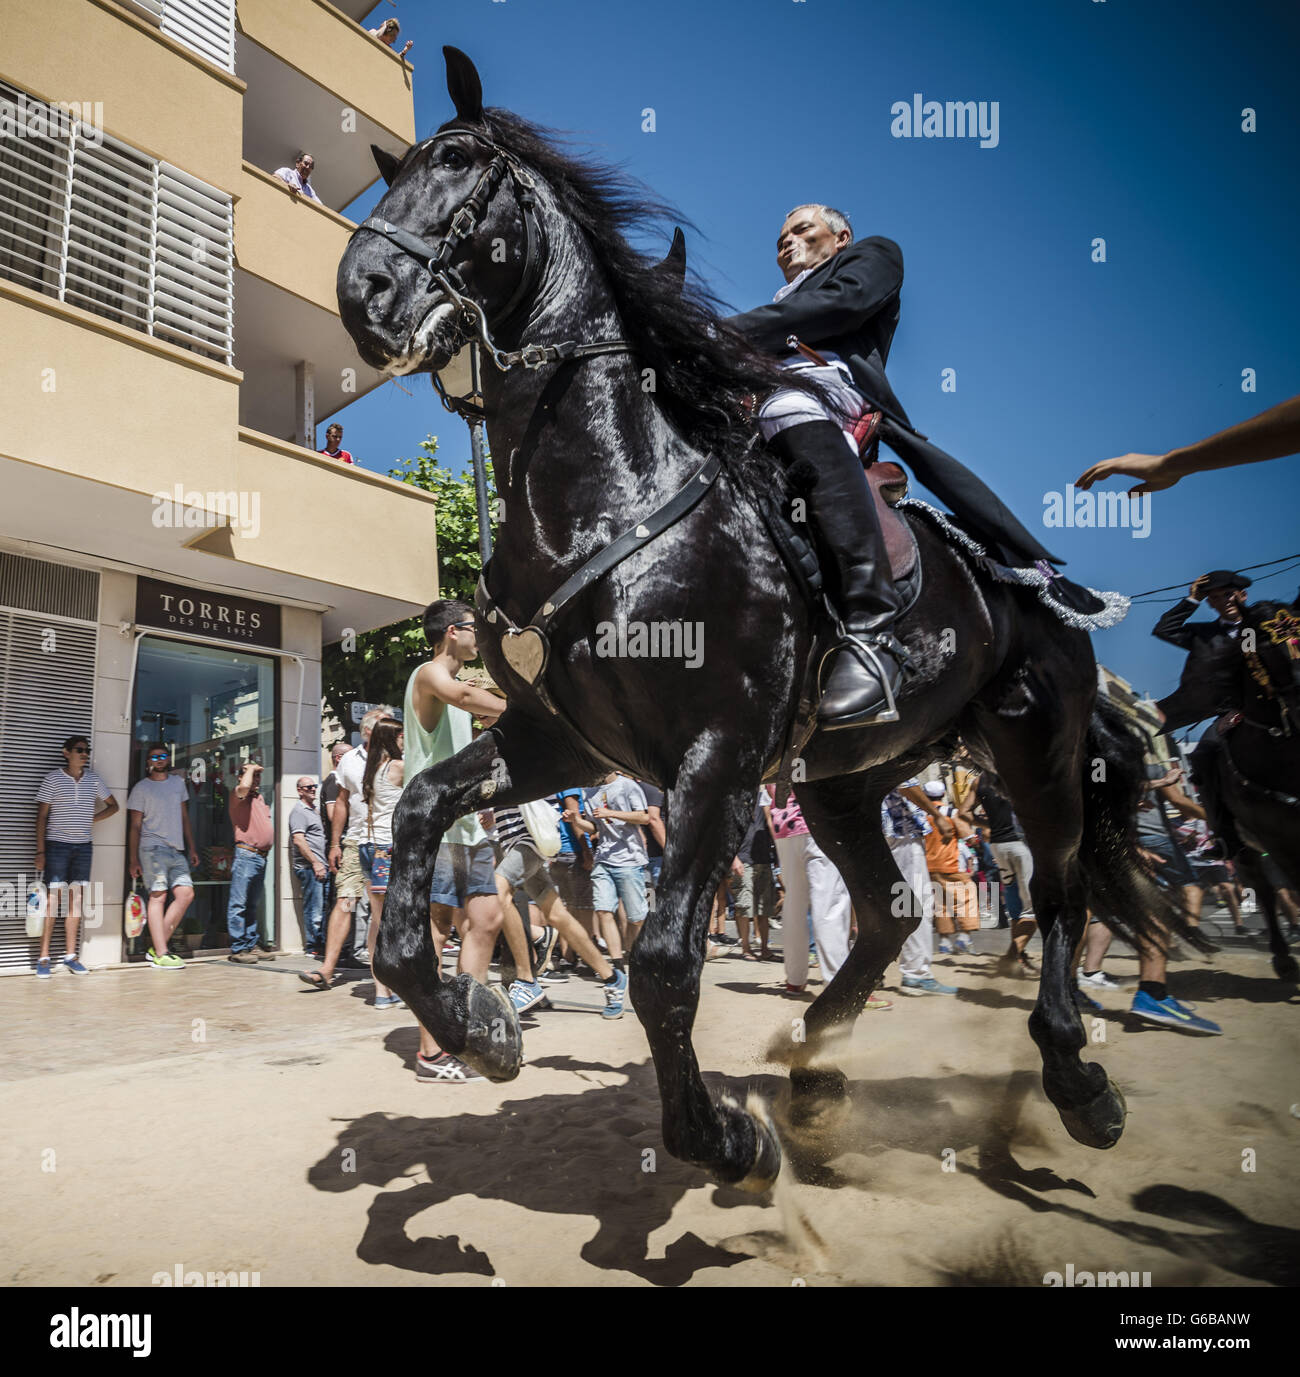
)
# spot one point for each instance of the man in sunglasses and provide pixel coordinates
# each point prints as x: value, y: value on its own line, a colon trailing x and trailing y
x: 67, y: 806
x: 158, y: 842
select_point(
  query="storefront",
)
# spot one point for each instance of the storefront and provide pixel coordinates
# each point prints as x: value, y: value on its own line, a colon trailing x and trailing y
x: 132, y: 660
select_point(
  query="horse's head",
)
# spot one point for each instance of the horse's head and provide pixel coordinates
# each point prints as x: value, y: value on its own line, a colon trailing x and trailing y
x: 454, y: 198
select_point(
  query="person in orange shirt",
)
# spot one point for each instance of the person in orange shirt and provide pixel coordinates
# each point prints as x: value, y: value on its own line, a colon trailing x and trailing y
x: 955, y: 896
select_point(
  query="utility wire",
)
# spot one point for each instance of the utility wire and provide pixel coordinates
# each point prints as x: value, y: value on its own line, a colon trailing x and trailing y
x: 1168, y: 588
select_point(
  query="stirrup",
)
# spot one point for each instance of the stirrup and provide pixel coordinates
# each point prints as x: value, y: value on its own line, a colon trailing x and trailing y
x: 865, y: 647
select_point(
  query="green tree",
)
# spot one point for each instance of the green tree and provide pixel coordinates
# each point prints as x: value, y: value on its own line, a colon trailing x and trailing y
x: 373, y: 667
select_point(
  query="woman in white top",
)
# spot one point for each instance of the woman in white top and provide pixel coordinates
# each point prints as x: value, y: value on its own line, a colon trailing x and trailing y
x: 381, y: 787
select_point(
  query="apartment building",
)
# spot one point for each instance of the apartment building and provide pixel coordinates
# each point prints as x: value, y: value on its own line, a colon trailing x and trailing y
x: 169, y: 566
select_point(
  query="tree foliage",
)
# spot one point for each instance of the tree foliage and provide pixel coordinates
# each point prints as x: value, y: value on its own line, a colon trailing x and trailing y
x: 373, y: 666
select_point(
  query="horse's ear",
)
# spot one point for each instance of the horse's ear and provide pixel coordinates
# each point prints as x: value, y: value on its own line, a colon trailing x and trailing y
x: 464, y: 86
x: 674, y: 263
x: 386, y: 164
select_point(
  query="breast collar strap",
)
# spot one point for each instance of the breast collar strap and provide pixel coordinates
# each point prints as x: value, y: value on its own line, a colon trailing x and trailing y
x: 527, y: 649
x: 437, y: 262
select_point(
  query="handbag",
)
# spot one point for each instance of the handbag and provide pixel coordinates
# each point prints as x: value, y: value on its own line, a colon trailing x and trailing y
x: 136, y: 910
x: 539, y: 819
x: 38, y: 899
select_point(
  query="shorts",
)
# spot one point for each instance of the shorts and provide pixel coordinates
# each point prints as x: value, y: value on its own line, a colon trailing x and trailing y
x: 67, y: 863
x: 164, y: 868
x: 376, y: 863
x: 523, y: 869
x: 1176, y: 871
x: 610, y: 883
x: 755, y: 892
x: 1215, y: 873
x: 350, y: 881
x: 572, y: 884
x: 462, y: 872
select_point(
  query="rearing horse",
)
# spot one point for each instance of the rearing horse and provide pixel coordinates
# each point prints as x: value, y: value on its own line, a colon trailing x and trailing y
x: 624, y: 461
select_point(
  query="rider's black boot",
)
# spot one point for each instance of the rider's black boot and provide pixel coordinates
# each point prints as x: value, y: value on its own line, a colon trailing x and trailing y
x: 865, y: 667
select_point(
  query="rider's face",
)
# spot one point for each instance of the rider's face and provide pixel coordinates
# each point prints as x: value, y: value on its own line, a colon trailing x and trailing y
x: 806, y: 241
x: 1227, y: 603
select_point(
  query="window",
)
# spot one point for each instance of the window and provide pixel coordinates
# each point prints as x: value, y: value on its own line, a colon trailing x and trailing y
x: 91, y: 221
x: 206, y: 26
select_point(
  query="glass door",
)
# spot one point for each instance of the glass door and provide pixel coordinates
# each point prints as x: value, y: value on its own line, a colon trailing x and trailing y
x: 214, y: 710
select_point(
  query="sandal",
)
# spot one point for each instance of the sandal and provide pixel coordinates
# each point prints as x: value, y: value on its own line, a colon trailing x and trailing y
x: 749, y: 956
x: 315, y: 979
x: 770, y: 956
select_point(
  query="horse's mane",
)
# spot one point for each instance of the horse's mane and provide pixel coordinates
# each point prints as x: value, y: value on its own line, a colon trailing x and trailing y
x: 703, y: 369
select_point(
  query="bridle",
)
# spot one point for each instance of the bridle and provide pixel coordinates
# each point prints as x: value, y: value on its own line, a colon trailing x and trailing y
x: 436, y: 260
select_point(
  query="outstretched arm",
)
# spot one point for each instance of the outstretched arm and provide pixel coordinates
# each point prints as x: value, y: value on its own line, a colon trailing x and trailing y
x: 1270, y: 435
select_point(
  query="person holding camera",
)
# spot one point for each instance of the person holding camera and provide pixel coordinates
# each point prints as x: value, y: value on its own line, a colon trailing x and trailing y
x: 254, y: 837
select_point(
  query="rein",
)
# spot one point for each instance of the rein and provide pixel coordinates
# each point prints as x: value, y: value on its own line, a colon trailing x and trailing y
x: 436, y: 259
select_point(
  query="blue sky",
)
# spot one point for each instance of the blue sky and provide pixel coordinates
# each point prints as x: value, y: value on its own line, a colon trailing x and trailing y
x: 1115, y: 120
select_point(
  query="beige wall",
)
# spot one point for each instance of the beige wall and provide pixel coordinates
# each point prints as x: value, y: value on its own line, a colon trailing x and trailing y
x: 287, y: 240
x: 174, y: 107
x: 323, y: 44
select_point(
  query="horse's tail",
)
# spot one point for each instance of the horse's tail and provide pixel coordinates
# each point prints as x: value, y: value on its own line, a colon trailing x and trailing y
x: 1120, y: 889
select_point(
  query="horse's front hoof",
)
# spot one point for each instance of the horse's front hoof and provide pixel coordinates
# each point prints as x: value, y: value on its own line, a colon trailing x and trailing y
x: 494, y: 1043
x: 1285, y: 968
x: 766, y: 1166
x: 1100, y: 1122
x: 814, y: 1091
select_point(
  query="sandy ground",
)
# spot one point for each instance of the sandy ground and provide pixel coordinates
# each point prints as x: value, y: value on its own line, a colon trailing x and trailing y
x: 226, y: 1118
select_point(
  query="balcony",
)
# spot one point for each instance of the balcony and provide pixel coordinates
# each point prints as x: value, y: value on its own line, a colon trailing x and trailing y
x: 139, y: 79
x: 115, y: 420
x: 317, y: 80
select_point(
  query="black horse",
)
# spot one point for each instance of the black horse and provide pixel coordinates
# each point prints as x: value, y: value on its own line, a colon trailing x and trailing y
x: 617, y: 394
x: 1257, y: 765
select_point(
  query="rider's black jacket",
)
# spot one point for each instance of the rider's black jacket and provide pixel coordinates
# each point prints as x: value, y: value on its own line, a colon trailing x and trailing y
x: 1210, y: 680
x: 848, y: 305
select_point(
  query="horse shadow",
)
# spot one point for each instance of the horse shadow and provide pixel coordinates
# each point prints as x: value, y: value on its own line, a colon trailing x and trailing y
x: 553, y: 1156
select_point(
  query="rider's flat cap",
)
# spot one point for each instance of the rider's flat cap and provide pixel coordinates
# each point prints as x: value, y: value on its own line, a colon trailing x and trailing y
x: 1225, y: 578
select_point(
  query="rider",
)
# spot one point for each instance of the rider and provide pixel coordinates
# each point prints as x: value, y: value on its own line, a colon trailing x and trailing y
x: 842, y: 299
x: 1210, y: 682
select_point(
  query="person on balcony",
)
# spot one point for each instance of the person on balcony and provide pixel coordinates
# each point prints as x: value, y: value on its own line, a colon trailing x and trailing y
x: 334, y: 445
x: 297, y: 177
x: 387, y: 33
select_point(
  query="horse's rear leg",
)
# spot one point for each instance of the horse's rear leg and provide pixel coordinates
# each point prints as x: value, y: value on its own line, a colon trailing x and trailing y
x: 1044, y: 778
x: 1250, y: 870
x: 514, y: 763
x: 709, y: 815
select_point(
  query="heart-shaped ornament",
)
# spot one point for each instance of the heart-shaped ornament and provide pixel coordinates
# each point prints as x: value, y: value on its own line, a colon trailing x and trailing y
x: 525, y: 653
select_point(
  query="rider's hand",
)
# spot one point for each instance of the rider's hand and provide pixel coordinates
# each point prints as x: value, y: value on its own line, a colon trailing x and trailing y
x: 1156, y: 471
x: 1197, y: 591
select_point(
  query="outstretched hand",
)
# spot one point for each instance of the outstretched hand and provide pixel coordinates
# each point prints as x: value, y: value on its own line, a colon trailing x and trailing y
x: 1155, y: 470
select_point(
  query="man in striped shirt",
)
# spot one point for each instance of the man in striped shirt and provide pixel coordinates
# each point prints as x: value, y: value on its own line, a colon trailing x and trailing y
x: 67, y: 806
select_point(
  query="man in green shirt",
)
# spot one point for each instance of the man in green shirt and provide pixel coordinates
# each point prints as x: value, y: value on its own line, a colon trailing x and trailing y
x: 437, y: 715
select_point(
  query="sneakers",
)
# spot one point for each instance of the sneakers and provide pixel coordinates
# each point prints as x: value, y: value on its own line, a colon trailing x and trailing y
x: 875, y: 1002
x: 615, y: 995
x: 553, y: 977
x: 243, y: 958
x: 443, y: 1068
x: 1086, y: 1003
x: 391, y: 1001
x: 166, y: 962
x: 1098, y: 980
x: 525, y: 995
x: 43, y: 971
x: 795, y: 989
x: 71, y: 963
x: 963, y: 944
x: 929, y: 985
x: 543, y: 947
x: 1172, y: 1014
x: 945, y: 947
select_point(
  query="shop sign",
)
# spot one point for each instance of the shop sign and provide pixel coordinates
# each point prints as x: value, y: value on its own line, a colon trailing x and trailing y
x: 220, y: 616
